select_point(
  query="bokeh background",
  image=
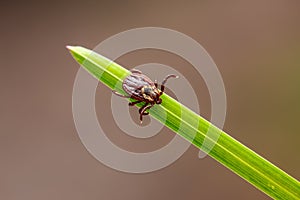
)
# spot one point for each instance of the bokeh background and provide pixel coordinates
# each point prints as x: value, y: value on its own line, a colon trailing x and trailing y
x: 256, y: 45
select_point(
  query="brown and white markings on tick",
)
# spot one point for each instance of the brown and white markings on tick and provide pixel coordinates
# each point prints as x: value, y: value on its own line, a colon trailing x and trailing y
x: 141, y: 88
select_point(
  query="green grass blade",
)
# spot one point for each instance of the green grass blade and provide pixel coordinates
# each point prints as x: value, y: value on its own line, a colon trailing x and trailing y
x: 225, y: 149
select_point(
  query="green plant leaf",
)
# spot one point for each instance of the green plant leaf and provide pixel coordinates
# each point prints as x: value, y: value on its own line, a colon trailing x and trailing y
x: 192, y: 127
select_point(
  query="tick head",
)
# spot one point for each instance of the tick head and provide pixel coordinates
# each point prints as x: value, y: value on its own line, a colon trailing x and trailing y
x: 152, y: 94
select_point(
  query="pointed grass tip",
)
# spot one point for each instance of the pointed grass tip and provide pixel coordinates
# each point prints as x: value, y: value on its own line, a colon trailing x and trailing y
x: 69, y: 47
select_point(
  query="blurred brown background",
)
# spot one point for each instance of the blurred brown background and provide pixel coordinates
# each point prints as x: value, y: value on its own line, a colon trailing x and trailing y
x: 256, y: 45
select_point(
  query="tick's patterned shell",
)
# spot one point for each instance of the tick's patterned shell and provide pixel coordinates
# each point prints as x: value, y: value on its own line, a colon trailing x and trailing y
x: 133, y: 84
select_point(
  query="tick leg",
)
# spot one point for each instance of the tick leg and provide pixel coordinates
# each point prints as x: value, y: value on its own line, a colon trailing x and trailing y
x: 133, y: 103
x: 140, y: 110
x: 144, y: 108
x: 162, y: 87
x: 136, y: 71
x: 121, y: 95
x: 145, y: 113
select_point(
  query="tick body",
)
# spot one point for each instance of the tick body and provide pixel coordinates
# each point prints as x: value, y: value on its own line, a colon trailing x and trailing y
x: 141, y: 88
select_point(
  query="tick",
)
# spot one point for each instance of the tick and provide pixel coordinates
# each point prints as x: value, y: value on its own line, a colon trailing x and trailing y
x: 141, y: 88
